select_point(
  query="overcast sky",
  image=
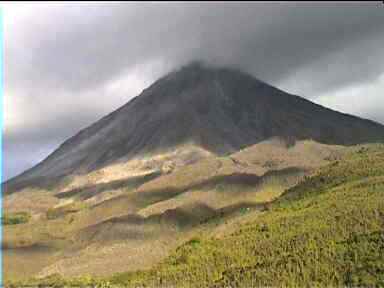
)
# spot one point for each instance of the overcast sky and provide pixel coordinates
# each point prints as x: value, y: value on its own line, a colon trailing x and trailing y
x: 67, y: 65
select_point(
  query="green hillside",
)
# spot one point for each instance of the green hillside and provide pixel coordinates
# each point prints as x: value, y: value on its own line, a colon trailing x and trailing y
x: 326, y: 231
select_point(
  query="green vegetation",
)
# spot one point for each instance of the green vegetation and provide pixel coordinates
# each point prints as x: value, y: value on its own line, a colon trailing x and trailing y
x: 326, y: 231
x: 194, y: 242
x: 15, y: 218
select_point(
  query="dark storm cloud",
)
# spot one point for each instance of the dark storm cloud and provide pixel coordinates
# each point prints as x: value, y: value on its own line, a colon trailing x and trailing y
x: 62, y: 60
x: 82, y: 46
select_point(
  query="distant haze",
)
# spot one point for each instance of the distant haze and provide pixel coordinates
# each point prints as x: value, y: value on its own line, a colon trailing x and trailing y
x: 67, y: 65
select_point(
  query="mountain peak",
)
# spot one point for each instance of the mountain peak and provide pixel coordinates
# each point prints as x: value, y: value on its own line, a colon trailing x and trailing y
x: 196, y: 65
x: 203, y: 67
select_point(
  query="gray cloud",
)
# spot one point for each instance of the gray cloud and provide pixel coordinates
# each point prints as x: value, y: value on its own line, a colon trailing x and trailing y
x: 69, y: 64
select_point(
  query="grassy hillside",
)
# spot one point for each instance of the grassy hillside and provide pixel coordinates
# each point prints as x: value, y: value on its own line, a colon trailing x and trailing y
x: 74, y: 236
x: 326, y: 231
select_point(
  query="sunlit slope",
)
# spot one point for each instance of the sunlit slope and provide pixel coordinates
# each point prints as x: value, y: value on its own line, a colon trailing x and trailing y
x: 141, y: 224
x: 326, y: 231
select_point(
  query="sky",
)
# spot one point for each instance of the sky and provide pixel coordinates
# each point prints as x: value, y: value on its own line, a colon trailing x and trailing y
x: 68, y: 64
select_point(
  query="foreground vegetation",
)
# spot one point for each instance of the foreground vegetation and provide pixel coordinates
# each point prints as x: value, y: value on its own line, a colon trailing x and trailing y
x: 326, y: 231
x: 15, y: 218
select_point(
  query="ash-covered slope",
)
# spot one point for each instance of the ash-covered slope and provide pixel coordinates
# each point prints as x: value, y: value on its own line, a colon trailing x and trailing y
x: 220, y: 110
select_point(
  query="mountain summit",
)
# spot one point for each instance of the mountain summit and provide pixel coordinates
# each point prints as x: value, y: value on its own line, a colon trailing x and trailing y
x: 219, y: 110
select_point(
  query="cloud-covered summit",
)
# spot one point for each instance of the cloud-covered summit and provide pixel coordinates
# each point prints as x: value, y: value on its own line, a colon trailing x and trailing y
x: 66, y: 65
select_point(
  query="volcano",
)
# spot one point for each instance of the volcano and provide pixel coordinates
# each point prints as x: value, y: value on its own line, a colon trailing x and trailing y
x: 219, y: 110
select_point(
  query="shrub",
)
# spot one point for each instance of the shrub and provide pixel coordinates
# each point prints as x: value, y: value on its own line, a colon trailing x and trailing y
x: 15, y: 218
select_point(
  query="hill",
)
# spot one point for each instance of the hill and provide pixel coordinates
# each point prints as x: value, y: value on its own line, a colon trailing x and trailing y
x: 326, y: 231
x: 88, y: 233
